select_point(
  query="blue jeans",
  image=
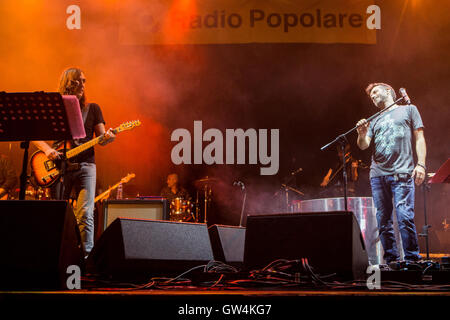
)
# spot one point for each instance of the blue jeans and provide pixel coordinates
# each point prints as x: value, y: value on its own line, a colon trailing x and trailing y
x: 83, y: 181
x: 397, y: 190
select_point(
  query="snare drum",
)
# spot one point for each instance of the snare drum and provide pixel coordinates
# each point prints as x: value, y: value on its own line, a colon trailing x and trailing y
x: 43, y: 194
x: 180, y: 210
x: 37, y: 193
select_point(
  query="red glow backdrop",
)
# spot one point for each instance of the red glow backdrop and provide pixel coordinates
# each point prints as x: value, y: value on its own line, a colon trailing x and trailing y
x: 37, y: 46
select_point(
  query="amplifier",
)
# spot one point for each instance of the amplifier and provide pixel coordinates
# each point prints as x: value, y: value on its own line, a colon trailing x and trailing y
x: 154, y: 209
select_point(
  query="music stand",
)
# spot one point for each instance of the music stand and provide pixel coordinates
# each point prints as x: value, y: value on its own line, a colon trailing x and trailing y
x: 441, y: 176
x: 31, y: 116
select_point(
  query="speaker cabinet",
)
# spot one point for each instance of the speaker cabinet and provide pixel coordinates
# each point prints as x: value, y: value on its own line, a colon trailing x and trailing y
x: 155, y: 209
x: 331, y: 241
x: 38, y: 241
x: 227, y: 243
x: 135, y: 249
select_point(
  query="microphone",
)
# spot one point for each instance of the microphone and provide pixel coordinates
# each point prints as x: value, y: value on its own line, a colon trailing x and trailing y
x: 404, y: 95
x: 293, y: 173
x: 239, y: 184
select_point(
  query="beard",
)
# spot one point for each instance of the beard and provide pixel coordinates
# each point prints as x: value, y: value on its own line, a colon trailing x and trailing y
x: 381, y: 103
x: 82, y: 100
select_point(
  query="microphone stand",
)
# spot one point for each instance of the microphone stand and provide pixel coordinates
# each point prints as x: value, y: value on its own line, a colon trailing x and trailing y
x: 243, y: 206
x: 241, y: 185
x: 342, y: 140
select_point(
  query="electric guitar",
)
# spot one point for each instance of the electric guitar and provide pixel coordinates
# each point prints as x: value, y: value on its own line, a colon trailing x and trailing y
x: 46, y: 172
x: 106, y: 193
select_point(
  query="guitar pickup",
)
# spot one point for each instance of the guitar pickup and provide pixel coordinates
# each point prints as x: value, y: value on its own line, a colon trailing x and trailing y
x: 50, y: 176
x: 49, y: 165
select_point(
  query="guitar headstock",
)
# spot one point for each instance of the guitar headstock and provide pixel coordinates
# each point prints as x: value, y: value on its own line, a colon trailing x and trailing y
x: 128, y: 125
x: 128, y: 178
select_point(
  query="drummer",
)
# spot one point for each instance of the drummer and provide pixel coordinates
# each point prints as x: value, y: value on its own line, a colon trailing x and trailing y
x: 173, y: 189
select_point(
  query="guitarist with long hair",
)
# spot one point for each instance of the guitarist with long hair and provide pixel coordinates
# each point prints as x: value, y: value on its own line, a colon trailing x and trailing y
x: 81, y: 175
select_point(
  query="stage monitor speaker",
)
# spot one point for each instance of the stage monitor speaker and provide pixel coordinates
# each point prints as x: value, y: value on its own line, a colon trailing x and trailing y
x: 155, y: 209
x: 227, y: 243
x: 38, y: 241
x: 132, y: 249
x: 331, y: 241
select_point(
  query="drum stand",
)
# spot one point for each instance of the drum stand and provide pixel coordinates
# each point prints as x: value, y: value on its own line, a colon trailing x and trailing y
x: 197, y: 208
x: 207, y: 191
x: 205, y: 185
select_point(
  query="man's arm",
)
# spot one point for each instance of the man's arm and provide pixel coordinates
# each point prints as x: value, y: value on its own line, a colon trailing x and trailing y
x: 51, y: 153
x: 326, y: 179
x: 354, y: 170
x: 108, y: 136
x: 421, y: 150
x: 363, y: 140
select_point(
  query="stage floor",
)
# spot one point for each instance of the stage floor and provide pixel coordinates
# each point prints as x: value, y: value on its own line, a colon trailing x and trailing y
x: 231, y: 303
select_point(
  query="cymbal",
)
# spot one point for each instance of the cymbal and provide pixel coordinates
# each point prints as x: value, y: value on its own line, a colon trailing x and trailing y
x: 206, y: 180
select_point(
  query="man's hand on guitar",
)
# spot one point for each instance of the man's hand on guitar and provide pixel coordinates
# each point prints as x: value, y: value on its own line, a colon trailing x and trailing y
x: 52, y: 154
x: 108, y: 137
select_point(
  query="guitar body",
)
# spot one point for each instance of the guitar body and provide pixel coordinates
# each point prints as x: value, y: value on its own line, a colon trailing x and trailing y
x: 46, y: 172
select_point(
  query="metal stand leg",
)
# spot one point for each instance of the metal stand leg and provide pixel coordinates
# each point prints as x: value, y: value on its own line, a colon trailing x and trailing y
x: 425, y: 234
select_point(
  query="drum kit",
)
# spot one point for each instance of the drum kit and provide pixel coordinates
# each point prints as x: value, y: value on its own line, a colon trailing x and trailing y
x: 37, y: 193
x: 32, y: 192
x: 183, y: 210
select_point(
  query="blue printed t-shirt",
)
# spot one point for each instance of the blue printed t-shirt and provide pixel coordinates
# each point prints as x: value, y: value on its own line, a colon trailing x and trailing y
x: 392, y: 133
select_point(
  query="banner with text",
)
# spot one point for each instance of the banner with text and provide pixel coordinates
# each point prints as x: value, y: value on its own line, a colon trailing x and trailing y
x: 159, y: 22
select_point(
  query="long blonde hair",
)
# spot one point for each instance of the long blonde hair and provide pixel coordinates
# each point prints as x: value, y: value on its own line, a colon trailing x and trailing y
x: 66, y: 86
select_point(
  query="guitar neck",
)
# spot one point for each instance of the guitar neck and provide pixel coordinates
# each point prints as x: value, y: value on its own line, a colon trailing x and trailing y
x: 73, y: 152
x: 104, y: 194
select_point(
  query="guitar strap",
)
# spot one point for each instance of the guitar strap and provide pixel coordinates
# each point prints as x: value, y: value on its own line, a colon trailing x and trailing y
x: 85, y: 112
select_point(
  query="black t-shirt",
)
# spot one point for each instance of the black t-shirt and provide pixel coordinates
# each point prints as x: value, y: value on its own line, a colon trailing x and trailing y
x: 93, y: 117
x: 167, y: 193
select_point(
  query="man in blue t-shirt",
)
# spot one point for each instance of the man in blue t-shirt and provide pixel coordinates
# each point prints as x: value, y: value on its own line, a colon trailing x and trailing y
x: 392, y: 171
